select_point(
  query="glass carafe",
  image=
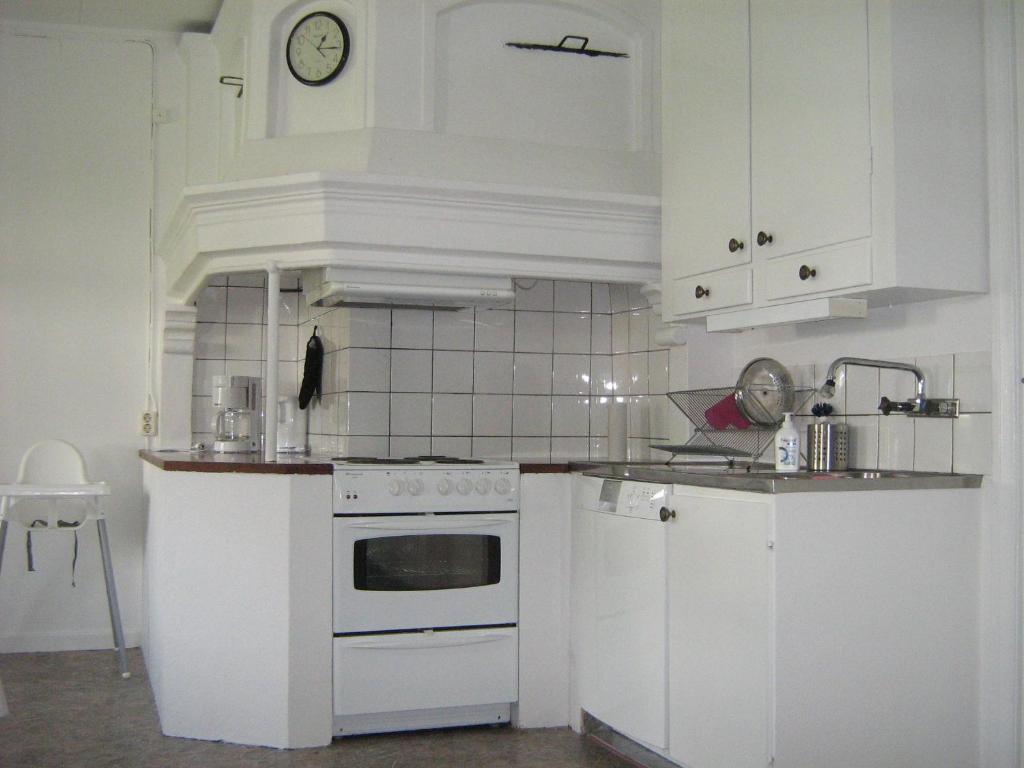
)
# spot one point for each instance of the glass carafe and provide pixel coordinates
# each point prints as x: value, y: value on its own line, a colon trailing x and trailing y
x: 234, y: 424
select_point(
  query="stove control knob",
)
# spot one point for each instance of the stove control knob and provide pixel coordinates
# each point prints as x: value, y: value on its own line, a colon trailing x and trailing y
x: 415, y: 487
x: 464, y: 486
x: 483, y: 486
x: 395, y: 487
x: 445, y: 486
x: 502, y: 486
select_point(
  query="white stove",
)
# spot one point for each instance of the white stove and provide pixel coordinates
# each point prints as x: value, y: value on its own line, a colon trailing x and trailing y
x: 426, y: 558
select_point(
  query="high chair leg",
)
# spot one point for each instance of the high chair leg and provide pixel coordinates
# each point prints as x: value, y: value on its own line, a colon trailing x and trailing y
x: 3, y: 540
x: 115, y: 611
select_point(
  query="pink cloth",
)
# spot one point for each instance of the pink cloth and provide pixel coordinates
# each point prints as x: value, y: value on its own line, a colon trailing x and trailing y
x: 725, y: 414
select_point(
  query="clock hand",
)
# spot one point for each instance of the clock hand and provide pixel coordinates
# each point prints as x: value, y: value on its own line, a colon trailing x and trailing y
x: 329, y: 48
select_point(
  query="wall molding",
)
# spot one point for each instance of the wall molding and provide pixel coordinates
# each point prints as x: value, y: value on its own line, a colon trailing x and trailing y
x: 179, y: 335
x: 328, y: 219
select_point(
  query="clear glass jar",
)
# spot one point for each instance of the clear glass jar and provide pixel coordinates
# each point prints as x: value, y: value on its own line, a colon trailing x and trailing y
x: 234, y: 424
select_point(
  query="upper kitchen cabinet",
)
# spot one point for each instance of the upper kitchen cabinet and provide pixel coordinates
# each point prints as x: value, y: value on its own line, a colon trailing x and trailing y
x: 818, y: 149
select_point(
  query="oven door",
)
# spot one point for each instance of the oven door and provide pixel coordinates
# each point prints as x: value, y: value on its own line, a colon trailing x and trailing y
x: 425, y: 571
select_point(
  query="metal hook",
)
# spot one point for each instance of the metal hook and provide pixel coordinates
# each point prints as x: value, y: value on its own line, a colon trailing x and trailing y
x: 235, y: 81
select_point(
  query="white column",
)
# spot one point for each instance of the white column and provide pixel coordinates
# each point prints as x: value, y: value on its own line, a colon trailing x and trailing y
x: 273, y: 301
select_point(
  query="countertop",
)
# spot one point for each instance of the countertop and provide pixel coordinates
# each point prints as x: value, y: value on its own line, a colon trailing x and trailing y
x: 766, y: 480
x: 253, y: 463
x: 194, y: 461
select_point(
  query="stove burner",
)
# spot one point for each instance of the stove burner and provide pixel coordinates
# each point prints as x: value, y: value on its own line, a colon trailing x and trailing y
x: 444, y: 460
x: 371, y: 460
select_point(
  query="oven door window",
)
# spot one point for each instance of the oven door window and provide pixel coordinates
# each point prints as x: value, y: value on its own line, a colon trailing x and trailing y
x: 423, y: 562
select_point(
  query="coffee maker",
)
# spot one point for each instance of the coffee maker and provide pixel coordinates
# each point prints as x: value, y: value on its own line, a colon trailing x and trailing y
x: 237, y: 426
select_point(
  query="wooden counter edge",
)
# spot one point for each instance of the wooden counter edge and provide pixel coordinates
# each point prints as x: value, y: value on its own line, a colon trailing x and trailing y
x: 183, y: 461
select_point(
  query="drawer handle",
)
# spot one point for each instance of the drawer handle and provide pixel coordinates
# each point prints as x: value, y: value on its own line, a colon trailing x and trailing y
x: 735, y: 245
x: 806, y: 272
x: 666, y: 514
x: 700, y: 291
x: 763, y: 238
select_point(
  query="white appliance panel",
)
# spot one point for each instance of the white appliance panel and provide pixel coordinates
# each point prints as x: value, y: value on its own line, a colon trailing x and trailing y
x: 370, y: 610
x: 425, y: 488
x: 626, y: 667
x: 424, y: 670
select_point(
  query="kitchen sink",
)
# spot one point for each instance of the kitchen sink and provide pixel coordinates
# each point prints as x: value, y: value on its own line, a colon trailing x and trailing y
x: 845, y: 474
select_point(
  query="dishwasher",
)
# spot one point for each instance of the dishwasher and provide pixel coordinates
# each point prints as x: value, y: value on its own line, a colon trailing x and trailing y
x: 619, y: 612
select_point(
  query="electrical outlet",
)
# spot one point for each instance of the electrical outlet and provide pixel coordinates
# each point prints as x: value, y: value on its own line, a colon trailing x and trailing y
x: 148, y: 424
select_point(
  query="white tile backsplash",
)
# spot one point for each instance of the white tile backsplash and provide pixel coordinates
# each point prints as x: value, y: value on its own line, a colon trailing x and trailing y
x: 572, y: 332
x: 933, y: 445
x: 245, y: 305
x: 972, y: 380
x: 452, y: 414
x: 972, y: 443
x: 410, y: 413
x: 571, y: 375
x: 534, y: 332
x: 533, y: 374
x: 492, y: 372
x: 454, y: 330
x: 531, y: 416
x: 411, y: 370
x: 412, y: 328
x: 413, y: 375
x: 572, y: 296
x: 535, y: 294
x: 495, y: 330
x: 453, y: 371
x: 492, y: 415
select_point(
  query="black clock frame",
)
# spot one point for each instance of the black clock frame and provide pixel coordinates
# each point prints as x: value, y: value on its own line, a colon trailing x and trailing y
x: 344, y: 55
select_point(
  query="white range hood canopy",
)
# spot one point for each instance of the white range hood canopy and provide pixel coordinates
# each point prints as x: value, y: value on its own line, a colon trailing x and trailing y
x: 340, y: 286
x: 411, y: 240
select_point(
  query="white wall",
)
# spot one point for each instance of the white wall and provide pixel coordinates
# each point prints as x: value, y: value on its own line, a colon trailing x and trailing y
x: 77, y: 167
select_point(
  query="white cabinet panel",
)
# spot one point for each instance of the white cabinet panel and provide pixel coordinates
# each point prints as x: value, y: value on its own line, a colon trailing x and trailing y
x: 424, y: 670
x: 706, y: 128
x: 809, y: 273
x: 719, y: 632
x: 810, y: 129
x: 726, y: 288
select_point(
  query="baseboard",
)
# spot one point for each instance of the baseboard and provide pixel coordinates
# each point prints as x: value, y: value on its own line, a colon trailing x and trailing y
x: 65, y: 641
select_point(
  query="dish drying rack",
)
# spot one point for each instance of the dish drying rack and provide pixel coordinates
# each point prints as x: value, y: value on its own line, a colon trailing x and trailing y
x: 731, y: 443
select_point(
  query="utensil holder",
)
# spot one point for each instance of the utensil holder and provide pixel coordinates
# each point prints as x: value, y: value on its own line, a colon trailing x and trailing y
x: 828, y: 446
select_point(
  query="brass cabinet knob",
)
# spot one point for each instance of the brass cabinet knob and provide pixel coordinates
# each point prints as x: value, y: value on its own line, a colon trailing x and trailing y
x: 666, y: 514
x: 700, y: 292
x: 806, y: 272
x: 763, y: 238
x: 735, y: 245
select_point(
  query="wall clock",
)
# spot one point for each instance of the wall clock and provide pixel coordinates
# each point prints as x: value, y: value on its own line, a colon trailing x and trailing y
x: 317, y: 48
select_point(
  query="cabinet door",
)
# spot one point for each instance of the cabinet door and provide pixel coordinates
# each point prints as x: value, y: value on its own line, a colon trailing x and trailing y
x: 719, y: 631
x: 810, y: 131
x: 705, y: 138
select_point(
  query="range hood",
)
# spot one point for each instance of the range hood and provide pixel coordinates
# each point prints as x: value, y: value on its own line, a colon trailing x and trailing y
x: 342, y: 286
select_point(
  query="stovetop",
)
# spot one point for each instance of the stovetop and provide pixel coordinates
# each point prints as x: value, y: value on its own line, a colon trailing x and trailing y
x: 412, y: 462
x: 405, y: 460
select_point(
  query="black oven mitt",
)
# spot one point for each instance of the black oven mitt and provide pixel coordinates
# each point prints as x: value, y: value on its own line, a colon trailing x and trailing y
x: 312, y: 371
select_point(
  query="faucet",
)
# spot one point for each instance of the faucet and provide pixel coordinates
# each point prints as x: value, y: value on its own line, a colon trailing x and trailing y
x: 918, y: 405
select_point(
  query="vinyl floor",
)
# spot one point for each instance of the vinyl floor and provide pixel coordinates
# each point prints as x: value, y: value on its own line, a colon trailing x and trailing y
x: 73, y: 709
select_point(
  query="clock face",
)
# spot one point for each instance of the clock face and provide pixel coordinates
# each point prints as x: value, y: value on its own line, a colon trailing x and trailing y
x: 317, y: 48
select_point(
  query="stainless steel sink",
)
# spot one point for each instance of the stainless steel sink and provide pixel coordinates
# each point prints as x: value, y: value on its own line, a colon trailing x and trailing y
x: 846, y: 474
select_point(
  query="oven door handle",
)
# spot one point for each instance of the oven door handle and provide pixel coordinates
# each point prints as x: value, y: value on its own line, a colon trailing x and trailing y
x: 426, y: 641
x: 435, y: 525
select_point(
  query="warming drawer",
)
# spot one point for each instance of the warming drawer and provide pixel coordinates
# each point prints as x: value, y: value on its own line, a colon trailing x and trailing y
x: 398, y: 673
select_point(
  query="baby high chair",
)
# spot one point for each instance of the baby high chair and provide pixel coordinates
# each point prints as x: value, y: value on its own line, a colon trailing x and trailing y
x: 52, y: 493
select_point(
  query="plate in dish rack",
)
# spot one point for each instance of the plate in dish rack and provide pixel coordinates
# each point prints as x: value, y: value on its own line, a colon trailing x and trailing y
x: 764, y: 391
